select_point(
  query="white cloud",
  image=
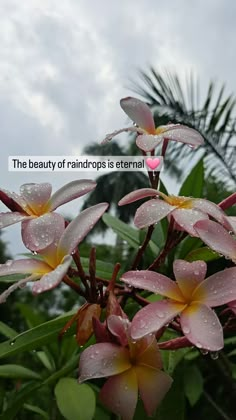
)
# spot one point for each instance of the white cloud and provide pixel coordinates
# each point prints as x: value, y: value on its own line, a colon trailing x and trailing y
x: 65, y: 65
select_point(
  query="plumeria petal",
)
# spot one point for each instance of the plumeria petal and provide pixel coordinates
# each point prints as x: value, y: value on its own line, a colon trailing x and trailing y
x: 139, y: 112
x: 184, y: 134
x: 110, y: 136
x: 148, y: 142
x: 138, y: 195
x: 153, y: 385
x: 69, y: 192
x: 154, y: 282
x: 218, y: 289
x: 186, y: 219
x: 103, y: 359
x: 40, y: 232
x: 52, y: 279
x: 19, y: 284
x: 148, y: 353
x: 217, y: 238
x: 202, y: 327
x: 175, y: 132
x: 120, y: 394
x: 189, y: 275
x: 232, y: 221
x: 24, y: 266
x: 11, y: 198
x: 154, y: 316
x: 119, y: 328
x: 9, y: 218
x: 79, y: 228
x: 36, y: 195
x: 212, y: 210
x: 152, y: 212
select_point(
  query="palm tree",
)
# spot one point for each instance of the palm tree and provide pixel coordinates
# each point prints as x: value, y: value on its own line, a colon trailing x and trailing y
x: 213, y: 118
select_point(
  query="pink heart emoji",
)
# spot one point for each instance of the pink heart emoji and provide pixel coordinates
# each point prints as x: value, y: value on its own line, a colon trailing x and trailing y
x: 153, y: 163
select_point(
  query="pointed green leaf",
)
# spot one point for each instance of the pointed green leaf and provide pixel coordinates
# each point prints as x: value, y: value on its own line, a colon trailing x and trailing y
x: 37, y: 410
x: 36, y: 337
x: 204, y: 254
x: 193, y: 184
x: 193, y: 384
x: 17, y: 372
x: 126, y: 232
x: 7, y: 331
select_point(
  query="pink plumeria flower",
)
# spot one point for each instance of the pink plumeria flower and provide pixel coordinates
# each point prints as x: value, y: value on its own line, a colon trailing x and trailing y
x: 48, y: 272
x: 217, y: 238
x: 34, y: 202
x: 186, y: 211
x: 192, y: 296
x: 134, y: 368
x: 150, y: 136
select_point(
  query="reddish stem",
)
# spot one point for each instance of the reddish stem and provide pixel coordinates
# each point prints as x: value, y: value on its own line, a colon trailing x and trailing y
x: 175, y: 343
x: 142, y: 247
x: 228, y: 202
x: 76, y: 287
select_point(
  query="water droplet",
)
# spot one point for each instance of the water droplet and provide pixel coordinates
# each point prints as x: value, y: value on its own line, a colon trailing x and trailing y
x: 214, y: 355
x: 204, y: 352
x: 142, y: 324
x: 199, y: 345
x: 186, y: 330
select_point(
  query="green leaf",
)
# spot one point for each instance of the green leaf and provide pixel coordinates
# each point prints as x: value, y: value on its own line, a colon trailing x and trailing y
x: 7, y: 331
x: 37, y: 410
x: 193, y: 384
x: 103, y: 269
x: 126, y: 232
x: 32, y: 317
x: 171, y: 358
x: 44, y: 359
x: 75, y: 401
x: 186, y: 246
x: 11, y: 278
x: 204, y: 254
x: 152, y: 248
x: 158, y: 236
x: 193, y: 184
x: 173, y: 405
x: 17, y: 372
x: 154, y: 298
x: 20, y: 398
x: 36, y: 337
x: 30, y: 388
x: 232, y: 353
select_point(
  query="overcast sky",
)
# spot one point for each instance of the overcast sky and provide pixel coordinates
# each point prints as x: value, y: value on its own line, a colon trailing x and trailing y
x: 64, y: 65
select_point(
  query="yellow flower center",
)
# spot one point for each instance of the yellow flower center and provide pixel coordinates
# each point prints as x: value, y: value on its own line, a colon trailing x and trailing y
x: 182, y: 202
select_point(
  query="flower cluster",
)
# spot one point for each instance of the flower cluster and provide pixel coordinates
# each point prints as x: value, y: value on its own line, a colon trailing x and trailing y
x: 44, y: 232
x: 134, y: 367
x: 128, y: 351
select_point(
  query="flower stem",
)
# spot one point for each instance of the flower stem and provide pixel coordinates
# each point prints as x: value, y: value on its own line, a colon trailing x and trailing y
x: 73, y: 285
x: 142, y: 247
x: 228, y: 202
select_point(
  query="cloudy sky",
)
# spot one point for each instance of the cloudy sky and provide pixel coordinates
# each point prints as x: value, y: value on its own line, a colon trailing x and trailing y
x: 65, y: 64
